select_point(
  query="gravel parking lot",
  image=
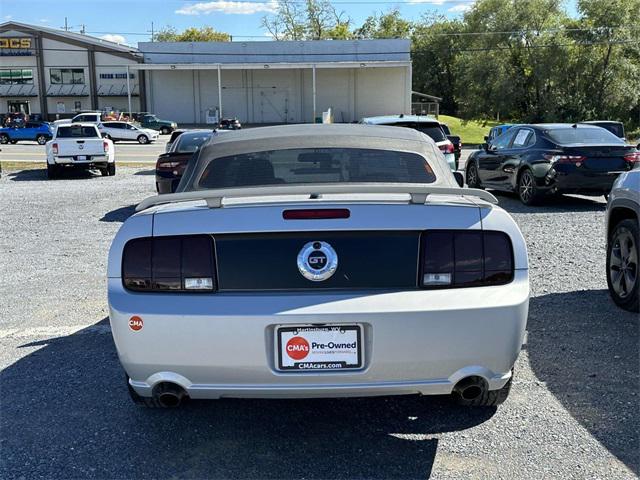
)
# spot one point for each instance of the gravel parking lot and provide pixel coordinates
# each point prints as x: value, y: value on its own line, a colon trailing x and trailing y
x: 65, y: 412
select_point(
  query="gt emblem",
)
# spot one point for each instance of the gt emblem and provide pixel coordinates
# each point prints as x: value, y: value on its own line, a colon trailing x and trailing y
x: 317, y: 261
x: 81, y: 147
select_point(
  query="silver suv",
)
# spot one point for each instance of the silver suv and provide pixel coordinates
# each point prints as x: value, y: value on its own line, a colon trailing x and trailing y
x: 623, y: 252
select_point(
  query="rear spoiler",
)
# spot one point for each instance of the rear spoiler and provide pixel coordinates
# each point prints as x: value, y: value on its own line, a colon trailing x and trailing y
x: 418, y: 192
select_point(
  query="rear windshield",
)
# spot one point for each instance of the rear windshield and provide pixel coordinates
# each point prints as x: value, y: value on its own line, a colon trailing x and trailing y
x: 616, y: 128
x: 189, y: 143
x: 315, y: 165
x: 77, y: 132
x: 585, y: 136
x: 433, y: 130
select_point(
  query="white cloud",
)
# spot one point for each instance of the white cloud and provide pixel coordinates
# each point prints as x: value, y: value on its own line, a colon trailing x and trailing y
x: 44, y: 20
x: 228, y: 7
x: 110, y: 37
x: 461, y: 8
x: 432, y: 2
x: 8, y: 17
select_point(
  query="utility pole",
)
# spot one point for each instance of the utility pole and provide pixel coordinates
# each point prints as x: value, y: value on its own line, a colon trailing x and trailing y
x: 66, y: 26
x: 82, y: 30
x: 152, y: 32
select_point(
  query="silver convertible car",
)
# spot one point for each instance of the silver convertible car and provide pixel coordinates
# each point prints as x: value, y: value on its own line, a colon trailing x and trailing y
x: 318, y: 261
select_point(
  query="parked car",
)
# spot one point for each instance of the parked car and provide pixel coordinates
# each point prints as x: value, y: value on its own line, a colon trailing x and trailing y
x: 79, y: 145
x: 623, y: 242
x: 84, y: 117
x: 164, y: 126
x: 454, y: 139
x: 318, y: 261
x: 170, y: 166
x: 174, y: 135
x: 117, y: 131
x: 427, y: 125
x: 230, y: 124
x: 497, y: 131
x: 535, y: 160
x: 37, y: 131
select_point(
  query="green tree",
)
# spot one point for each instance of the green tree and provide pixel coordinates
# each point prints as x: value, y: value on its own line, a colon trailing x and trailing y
x: 385, y: 25
x: 192, y: 34
x: 313, y: 20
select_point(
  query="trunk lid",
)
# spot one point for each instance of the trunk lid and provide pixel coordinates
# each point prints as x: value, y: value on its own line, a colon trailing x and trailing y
x: 601, y: 158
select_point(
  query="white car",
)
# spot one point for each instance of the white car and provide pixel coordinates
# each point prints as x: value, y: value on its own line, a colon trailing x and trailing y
x: 86, y: 117
x: 118, y: 131
x: 318, y: 261
x: 79, y: 145
x: 427, y: 125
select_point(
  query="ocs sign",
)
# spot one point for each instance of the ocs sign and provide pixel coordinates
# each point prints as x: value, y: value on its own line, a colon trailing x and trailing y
x: 19, y: 43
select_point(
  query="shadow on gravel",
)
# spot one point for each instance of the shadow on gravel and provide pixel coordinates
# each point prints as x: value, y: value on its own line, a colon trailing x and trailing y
x: 586, y: 351
x: 66, y: 414
x: 562, y: 203
x: 41, y: 174
x: 119, y: 214
x: 146, y: 172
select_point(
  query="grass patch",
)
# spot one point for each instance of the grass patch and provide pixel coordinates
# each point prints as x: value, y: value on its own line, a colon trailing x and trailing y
x: 470, y: 131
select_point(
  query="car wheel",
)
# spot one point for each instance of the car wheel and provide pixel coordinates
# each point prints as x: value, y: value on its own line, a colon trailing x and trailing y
x: 41, y: 139
x: 473, y: 179
x: 488, y: 398
x: 527, y: 188
x: 165, y: 130
x: 142, y: 139
x: 4, y: 139
x: 13, y: 142
x: 52, y: 171
x: 622, y: 265
x: 111, y: 169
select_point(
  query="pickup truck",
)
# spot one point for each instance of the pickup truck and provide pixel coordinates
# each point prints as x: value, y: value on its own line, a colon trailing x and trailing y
x: 37, y: 131
x: 79, y: 145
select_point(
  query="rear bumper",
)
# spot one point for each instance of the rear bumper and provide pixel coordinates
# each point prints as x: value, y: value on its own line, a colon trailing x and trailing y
x: 166, y: 184
x: 91, y: 160
x: 223, y: 345
x: 577, y: 182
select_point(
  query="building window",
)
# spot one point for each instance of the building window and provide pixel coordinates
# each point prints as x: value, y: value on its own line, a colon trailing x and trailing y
x: 16, y: 77
x: 67, y: 76
x: 77, y: 105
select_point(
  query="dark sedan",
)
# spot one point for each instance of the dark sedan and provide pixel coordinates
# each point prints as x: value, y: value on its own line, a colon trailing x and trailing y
x: 535, y: 160
x: 170, y: 166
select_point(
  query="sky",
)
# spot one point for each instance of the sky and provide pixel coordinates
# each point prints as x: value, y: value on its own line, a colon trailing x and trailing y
x: 130, y: 21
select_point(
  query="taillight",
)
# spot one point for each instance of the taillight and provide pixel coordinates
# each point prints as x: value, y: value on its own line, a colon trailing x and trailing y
x: 105, y: 145
x: 162, y: 264
x: 316, y: 214
x: 167, y: 165
x: 463, y: 258
x: 565, y: 158
x: 633, y: 157
x: 54, y: 148
x: 448, y: 148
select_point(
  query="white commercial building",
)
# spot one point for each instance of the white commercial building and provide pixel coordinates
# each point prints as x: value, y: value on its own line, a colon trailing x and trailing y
x: 277, y: 82
x: 54, y: 74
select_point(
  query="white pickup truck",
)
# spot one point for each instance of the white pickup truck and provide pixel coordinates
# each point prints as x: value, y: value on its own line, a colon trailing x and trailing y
x: 79, y: 145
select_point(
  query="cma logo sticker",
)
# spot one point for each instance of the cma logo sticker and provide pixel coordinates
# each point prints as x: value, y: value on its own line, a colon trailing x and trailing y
x: 297, y: 348
x: 135, y: 323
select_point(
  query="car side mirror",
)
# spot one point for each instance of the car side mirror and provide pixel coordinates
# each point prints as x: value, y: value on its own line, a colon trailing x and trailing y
x: 104, y: 135
x: 459, y: 178
x: 486, y: 139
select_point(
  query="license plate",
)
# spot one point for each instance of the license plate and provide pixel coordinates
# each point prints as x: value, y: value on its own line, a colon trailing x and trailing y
x: 81, y: 157
x: 314, y: 348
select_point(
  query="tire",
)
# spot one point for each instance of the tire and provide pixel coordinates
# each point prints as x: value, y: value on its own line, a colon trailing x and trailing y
x: 53, y: 171
x: 143, y: 139
x: 111, y: 169
x: 41, y: 139
x: 472, y: 177
x: 13, y: 142
x: 527, y: 189
x: 165, y: 130
x: 489, y: 398
x: 623, y: 272
x: 4, y: 139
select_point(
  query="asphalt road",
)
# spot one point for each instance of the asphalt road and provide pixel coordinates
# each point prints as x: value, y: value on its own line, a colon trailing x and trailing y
x: 65, y: 413
x: 125, y: 151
